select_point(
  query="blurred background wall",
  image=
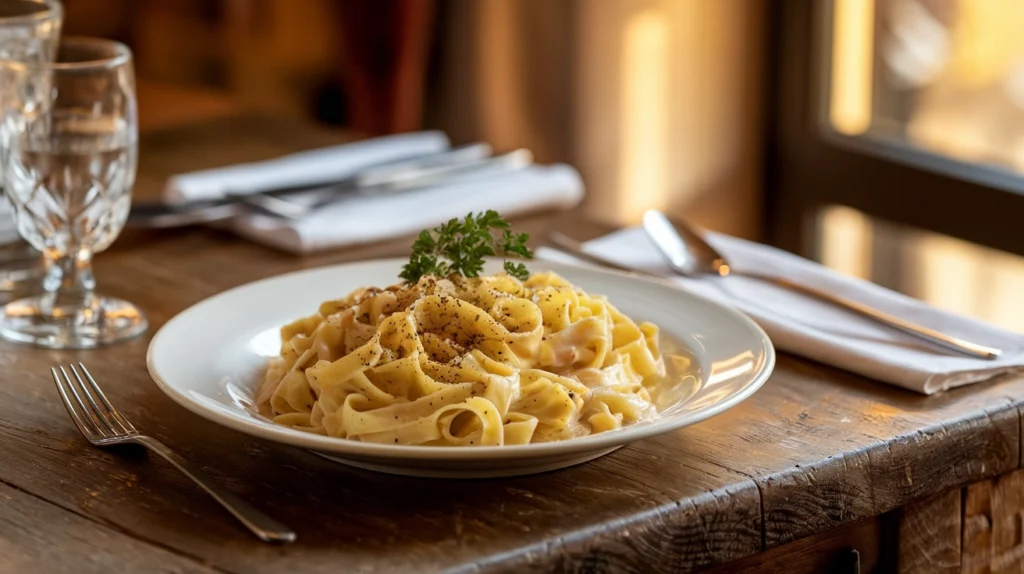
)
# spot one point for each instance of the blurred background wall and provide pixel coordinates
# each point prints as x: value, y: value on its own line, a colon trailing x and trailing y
x: 657, y: 102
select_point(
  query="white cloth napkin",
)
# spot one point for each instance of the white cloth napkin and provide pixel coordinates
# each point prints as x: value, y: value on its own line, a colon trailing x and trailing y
x: 371, y: 218
x: 805, y: 326
x: 364, y: 219
x: 303, y: 168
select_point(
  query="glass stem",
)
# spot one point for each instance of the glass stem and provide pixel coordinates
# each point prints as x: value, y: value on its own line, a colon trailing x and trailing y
x: 69, y: 286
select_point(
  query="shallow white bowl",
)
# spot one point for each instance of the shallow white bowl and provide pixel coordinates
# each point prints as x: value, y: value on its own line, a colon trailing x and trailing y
x: 210, y: 357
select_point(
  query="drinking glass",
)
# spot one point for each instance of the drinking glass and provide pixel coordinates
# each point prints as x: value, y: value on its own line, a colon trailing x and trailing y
x: 71, y: 133
x: 28, y: 33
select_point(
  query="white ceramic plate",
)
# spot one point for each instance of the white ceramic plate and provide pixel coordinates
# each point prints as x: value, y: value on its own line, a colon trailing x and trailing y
x: 210, y: 358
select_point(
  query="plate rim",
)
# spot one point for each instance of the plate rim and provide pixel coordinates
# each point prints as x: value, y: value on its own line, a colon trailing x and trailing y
x: 339, y: 446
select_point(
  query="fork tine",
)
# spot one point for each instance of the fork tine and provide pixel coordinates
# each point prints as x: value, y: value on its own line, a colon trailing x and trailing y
x: 97, y: 411
x: 101, y: 426
x: 86, y: 429
x: 116, y: 414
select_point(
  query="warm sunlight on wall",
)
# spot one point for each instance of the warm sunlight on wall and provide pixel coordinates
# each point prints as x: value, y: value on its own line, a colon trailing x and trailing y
x: 668, y: 108
x: 500, y: 73
x: 852, y: 52
x: 643, y: 114
x: 658, y: 103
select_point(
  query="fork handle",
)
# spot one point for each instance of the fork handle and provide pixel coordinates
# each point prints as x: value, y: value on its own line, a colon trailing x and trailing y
x: 264, y: 527
x: 949, y: 342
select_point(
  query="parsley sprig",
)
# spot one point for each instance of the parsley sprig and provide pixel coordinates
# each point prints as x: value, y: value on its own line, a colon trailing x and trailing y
x: 459, y: 247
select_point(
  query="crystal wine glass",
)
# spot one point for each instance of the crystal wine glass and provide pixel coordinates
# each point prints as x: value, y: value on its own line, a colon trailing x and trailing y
x: 28, y: 33
x: 71, y: 133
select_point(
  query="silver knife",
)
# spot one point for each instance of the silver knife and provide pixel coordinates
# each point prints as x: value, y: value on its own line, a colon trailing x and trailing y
x: 409, y: 181
x: 376, y: 176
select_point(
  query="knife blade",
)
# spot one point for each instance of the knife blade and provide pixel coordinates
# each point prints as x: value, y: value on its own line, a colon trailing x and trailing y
x: 410, y: 181
x: 375, y: 176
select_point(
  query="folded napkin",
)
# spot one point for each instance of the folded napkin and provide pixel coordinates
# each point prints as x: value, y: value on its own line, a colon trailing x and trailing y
x: 364, y: 219
x: 303, y: 168
x: 808, y: 327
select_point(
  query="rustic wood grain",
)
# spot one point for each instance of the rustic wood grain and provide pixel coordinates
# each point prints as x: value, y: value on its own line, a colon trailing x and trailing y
x: 680, y: 538
x: 815, y: 452
x: 1007, y: 526
x: 832, y: 447
x: 976, y: 546
x: 929, y: 535
x: 36, y: 536
x: 993, y: 532
x: 831, y: 552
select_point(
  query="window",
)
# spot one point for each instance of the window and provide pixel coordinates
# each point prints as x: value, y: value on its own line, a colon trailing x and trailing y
x: 936, y: 83
x: 896, y: 146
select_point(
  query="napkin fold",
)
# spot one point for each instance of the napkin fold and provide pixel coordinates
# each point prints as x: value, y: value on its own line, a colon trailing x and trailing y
x: 372, y: 217
x: 364, y: 219
x: 303, y: 168
x: 805, y: 326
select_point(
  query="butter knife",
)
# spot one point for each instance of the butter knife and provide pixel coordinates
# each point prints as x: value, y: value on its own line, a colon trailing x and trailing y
x: 373, y: 177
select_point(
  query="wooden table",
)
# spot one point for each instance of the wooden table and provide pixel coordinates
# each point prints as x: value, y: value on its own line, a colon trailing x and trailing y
x: 817, y: 469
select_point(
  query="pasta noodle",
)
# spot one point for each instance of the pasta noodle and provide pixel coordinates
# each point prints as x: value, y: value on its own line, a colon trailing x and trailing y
x: 464, y: 361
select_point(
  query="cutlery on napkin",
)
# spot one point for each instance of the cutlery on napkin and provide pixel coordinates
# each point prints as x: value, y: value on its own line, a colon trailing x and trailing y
x: 365, y: 219
x: 689, y: 255
x: 808, y: 327
x: 312, y: 167
x: 390, y: 176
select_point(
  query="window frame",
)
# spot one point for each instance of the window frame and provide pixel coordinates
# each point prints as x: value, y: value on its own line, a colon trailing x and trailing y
x: 808, y: 168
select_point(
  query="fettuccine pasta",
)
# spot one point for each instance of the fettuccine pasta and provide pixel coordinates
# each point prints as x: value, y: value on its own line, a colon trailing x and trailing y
x: 464, y: 361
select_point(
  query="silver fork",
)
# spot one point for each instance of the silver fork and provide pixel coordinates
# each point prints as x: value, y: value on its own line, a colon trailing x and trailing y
x: 103, y: 425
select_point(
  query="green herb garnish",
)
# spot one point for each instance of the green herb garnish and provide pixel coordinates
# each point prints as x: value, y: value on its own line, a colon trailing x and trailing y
x: 459, y: 247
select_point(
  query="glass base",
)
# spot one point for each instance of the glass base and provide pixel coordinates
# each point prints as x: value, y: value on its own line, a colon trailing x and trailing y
x: 116, y: 320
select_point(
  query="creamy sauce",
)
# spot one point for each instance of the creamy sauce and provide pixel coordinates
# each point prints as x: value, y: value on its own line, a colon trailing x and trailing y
x: 682, y: 375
